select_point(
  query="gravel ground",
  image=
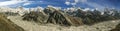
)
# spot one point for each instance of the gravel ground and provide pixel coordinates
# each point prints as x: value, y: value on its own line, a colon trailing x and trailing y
x: 32, y: 26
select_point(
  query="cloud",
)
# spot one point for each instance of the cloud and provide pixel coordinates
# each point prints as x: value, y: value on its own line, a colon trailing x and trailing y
x: 19, y: 0
x: 67, y: 3
x: 75, y: 2
x: 27, y: 3
x: 84, y: 0
x: 86, y: 9
x: 33, y: 2
x: 6, y: 3
x: 95, y: 5
x: 41, y: 1
x: 78, y: 1
x: 92, y: 4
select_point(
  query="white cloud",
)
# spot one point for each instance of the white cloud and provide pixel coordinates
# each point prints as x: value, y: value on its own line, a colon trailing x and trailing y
x: 95, y: 5
x: 27, y: 3
x: 75, y: 2
x: 6, y: 3
x: 67, y: 3
x: 41, y: 1
x: 33, y: 2
x: 78, y: 1
x: 19, y: 0
x: 92, y: 4
x: 83, y: 0
x: 86, y: 9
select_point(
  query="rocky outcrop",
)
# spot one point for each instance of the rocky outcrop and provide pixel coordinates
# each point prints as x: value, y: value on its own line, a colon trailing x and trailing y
x: 57, y: 17
x: 7, y: 25
x: 53, y: 16
x: 49, y: 10
x: 35, y: 16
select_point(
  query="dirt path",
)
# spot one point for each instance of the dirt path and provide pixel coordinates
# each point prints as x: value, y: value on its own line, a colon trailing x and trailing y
x: 31, y: 26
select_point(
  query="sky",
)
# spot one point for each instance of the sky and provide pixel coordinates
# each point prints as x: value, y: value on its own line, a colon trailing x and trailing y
x: 100, y: 4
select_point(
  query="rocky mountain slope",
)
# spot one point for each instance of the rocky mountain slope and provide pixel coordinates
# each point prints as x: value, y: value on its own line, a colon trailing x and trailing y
x: 8, y: 25
x: 52, y: 19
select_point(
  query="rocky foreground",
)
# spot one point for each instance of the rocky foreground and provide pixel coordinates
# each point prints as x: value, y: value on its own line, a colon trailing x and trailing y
x: 32, y: 26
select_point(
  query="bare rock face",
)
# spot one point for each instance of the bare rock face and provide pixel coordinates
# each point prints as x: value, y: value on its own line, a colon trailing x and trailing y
x: 53, y: 16
x: 57, y: 17
x: 35, y: 16
x: 49, y: 10
x: 7, y: 25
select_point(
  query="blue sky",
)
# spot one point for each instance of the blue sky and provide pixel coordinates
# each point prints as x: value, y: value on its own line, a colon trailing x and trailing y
x: 100, y: 4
